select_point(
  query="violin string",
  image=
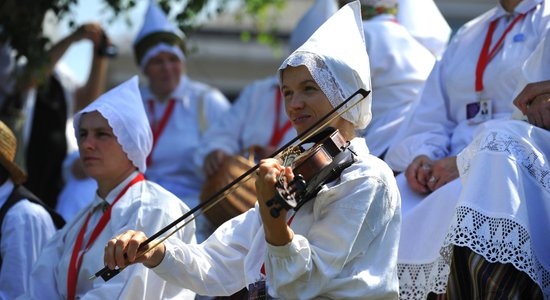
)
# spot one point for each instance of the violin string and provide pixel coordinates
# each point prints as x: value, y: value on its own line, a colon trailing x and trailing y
x: 221, y: 196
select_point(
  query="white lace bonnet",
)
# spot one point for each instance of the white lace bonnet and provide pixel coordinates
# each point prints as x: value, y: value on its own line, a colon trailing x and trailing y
x: 337, y: 59
x: 123, y: 109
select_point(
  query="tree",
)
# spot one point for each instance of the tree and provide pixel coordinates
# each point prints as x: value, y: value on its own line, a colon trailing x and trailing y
x: 21, y: 20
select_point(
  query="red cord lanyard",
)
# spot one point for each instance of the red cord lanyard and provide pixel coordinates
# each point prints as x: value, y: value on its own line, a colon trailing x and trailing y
x: 159, y: 128
x: 278, y: 132
x: 262, y: 269
x: 486, y: 55
x: 76, y: 259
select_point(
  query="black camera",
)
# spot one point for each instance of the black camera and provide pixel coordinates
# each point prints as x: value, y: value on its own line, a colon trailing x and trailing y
x: 105, y: 49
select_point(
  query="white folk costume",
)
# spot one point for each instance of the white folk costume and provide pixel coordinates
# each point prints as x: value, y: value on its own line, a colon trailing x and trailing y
x: 25, y: 227
x: 490, y: 208
x: 258, y: 115
x: 438, y: 126
x: 179, y: 122
x: 171, y: 162
x: 425, y: 22
x: 344, y: 244
x: 25, y: 230
x: 144, y: 206
x: 399, y: 67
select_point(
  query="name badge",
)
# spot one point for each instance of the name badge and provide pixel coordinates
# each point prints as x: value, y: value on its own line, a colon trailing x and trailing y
x: 479, y: 111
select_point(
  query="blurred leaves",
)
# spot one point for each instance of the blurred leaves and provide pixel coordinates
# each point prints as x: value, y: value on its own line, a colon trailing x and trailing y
x: 21, y: 20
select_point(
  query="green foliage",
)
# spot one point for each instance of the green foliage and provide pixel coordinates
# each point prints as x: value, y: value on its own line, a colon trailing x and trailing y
x: 21, y: 20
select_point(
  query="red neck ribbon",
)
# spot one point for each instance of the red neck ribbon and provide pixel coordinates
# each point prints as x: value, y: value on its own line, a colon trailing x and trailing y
x: 487, y: 54
x: 158, y: 128
x: 77, y: 256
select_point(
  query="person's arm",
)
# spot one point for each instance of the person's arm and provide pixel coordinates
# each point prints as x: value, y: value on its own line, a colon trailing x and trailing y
x: 276, y: 230
x: 137, y: 281
x: 348, y: 234
x: 95, y: 85
x: 31, y: 77
x: 218, y: 261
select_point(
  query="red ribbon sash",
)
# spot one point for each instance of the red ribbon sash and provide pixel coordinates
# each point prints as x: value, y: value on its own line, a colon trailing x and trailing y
x: 487, y: 54
x: 76, y: 259
x: 159, y: 128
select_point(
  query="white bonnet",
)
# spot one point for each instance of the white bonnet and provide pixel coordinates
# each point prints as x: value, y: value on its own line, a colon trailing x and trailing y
x: 317, y: 14
x: 337, y: 59
x: 157, y: 35
x: 123, y: 109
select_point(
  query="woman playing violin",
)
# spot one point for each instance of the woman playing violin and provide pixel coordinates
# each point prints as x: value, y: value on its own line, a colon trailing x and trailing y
x: 342, y: 244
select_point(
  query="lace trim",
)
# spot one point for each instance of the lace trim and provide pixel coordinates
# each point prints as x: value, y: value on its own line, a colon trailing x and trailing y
x: 417, y: 280
x: 322, y: 76
x: 496, y: 239
x: 525, y: 155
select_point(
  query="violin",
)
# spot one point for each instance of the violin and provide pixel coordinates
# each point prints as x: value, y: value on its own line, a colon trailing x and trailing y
x: 299, y: 192
x: 320, y: 164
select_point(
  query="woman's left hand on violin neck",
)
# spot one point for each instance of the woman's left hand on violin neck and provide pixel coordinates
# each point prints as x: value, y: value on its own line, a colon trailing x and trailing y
x: 276, y: 230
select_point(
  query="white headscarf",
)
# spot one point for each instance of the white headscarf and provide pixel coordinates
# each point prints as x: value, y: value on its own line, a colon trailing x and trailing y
x: 426, y: 24
x: 317, y: 14
x: 336, y: 57
x: 123, y: 109
x: 157, y: 35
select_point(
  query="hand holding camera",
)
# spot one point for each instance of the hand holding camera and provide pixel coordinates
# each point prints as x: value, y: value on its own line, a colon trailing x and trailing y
x: 95, y: 33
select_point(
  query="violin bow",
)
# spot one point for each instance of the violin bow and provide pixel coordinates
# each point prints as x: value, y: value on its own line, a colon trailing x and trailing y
x: 107, y: 273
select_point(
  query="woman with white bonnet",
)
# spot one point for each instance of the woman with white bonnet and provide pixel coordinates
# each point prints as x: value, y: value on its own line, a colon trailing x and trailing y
x: 342, y: 244
x: 114, y: 139
x: 179, y: 110
x: 256, y: 120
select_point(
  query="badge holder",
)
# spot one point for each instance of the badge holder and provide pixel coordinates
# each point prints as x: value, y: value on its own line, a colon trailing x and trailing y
x: 479, y: 111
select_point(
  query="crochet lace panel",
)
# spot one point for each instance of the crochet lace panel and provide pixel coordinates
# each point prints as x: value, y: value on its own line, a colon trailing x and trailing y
x: 499, y: 240
x: 532, y: 161
x: 417, y: 280
x: 321, y: 74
